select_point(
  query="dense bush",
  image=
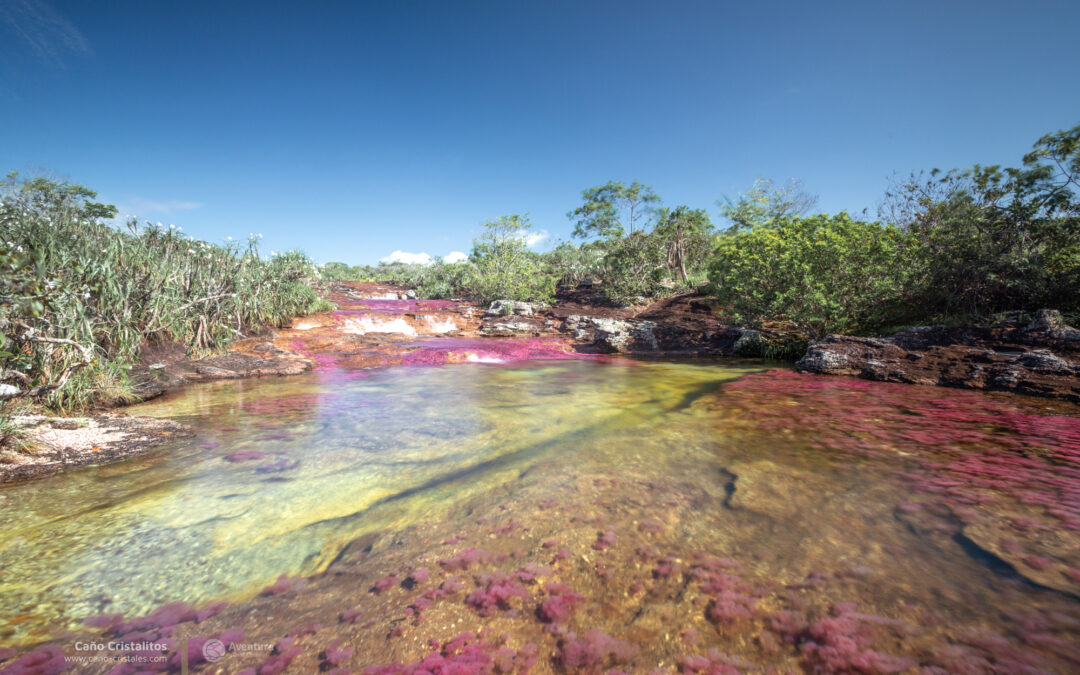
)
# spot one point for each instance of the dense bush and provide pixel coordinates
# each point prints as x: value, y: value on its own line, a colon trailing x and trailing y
x: 503, y: 267
x: 987, y: 239
x: 821, y: 273
x: 79, y: 297
x: 570, y: 264
x: 959, y: 247
x: 644, y: 251
x: 338, y: 271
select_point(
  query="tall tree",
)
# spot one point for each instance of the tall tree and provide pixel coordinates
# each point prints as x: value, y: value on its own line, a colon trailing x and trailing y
x: 765, y: 202
x: 686, y: 235
x: 614, y: 210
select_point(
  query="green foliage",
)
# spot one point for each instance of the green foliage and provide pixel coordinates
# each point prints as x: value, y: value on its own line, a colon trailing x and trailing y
x: 79, y: 297
x: 986, y: 239
x: 503, y: 267
x: 614, y: 210
x: 633, y: 268
x: 686, y: 236
x: 636, y: 249
x: 822, y: 273
x: 766, y: 202
x: 441, y: 279
x: 570, y: 263
x: 339, y: 271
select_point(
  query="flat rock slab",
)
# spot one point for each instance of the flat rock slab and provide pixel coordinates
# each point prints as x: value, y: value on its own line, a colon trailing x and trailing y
x: 167, y: 367
x: 57, y: 444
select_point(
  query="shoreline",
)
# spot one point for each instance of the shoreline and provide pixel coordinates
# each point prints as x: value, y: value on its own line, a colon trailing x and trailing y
x: 378, y: 325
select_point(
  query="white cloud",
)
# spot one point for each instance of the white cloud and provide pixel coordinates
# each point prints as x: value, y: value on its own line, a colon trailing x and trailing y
x: 408, y: 258
x: 533, y: 238
x: 455, y: 257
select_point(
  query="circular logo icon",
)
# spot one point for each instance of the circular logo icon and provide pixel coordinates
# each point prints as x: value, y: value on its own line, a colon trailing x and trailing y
x: 212, y: 650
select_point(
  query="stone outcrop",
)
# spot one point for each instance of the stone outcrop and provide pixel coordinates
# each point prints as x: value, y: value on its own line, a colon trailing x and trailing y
x: 506, y: 307
x: 613, y: 335
x: 1039, y: 358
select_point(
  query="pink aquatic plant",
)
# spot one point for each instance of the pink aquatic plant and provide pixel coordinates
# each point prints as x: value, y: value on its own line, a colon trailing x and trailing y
x: 595, y: 651
x: 713, y: 663
x: 560, y: 604
x: 244, y: 456
x: 531, y: 572
x: 439, y: 351
x: 605, y: 539
x: 842, y: 643
x: 334, y: 655
x: 43, y: 661
x: 495, y: 592
x: 465, y: 655
x: 419, y: 576
x: 962, y: 447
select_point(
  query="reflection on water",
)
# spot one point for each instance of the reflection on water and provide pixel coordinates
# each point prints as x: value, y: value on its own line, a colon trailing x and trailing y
x: 784, y: 519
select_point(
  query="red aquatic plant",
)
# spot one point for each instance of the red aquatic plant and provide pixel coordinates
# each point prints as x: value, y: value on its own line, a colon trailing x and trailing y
x: 594, y: 651
x: 495, y: 592
x: 560, y: 604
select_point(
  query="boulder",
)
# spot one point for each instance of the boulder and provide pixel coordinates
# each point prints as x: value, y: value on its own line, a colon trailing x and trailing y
x: 507, y: 307
x: 510, y: 326
x: 613, y: 335
x: 750, y: 343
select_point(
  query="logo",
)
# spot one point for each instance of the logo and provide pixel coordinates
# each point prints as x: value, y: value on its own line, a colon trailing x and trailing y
x: 212, y: 650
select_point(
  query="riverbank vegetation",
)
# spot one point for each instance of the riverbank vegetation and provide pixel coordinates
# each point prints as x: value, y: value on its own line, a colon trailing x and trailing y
x: 962, y: 246
x: 79, y: 297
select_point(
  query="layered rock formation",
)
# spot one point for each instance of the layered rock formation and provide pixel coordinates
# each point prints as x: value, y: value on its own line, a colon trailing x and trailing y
x: 1040, y: 358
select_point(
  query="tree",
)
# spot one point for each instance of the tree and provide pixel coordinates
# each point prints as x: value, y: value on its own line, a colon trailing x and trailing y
x: 824, y: 273
x: 686, y: 236
x: 40, y: 193
x: 988, y: 239
x: 614, y: 210
x: 503, y: 266
x: 766, y: 201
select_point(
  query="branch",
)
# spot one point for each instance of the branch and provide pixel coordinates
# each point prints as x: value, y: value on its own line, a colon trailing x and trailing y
x: 44, y: 389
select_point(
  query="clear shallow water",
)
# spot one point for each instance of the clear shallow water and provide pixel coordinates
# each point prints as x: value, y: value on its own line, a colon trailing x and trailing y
x: 341, y: 456
x: 950, y: 518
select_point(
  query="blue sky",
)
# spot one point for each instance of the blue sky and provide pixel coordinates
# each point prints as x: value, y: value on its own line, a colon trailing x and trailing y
x: 351, y: 130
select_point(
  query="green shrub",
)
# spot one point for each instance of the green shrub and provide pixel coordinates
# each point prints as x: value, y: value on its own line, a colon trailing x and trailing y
x: 986, y: 240
x: 570, y: 264
x: 824, y: 274
x: 633, y: 268
x: 503, y: 267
